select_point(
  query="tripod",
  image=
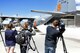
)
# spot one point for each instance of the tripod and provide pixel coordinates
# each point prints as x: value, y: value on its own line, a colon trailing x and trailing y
x: 63, y: 42
x: 2, y: 39
x: 29, y: 45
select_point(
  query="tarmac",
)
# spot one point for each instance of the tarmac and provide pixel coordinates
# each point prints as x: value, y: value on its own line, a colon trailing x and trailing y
x: 72, y: 44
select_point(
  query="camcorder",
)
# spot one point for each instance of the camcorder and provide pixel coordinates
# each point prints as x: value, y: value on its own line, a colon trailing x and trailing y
x: 61, y: 26
x: 30, y: 25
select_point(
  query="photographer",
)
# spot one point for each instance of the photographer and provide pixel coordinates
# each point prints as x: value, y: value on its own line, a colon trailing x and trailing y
x: 26, y: 33
x: 52, y: 33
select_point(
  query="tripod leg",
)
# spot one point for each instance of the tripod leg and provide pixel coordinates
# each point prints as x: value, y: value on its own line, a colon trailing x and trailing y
x: 27, y: 48
x: 2, y: 39
x: 35, y: 45
x: 28, y: 42
x: 64, y: 46
x: 28, y: 45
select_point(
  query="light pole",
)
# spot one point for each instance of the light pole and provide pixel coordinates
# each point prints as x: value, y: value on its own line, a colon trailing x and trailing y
x: 16, y: 15
x: 0, y: 18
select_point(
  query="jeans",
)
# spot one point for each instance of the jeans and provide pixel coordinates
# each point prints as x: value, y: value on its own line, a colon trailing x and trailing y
x: 50, y: 49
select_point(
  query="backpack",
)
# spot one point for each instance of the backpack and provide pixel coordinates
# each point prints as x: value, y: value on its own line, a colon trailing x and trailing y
x: 20, y: 38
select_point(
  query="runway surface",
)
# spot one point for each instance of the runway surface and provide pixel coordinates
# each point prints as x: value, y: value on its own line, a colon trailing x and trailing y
x: 73, y: 45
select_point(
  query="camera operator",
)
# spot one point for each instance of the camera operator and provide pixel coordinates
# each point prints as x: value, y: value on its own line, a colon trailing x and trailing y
x: 23, y: 46
x: 52, y: 33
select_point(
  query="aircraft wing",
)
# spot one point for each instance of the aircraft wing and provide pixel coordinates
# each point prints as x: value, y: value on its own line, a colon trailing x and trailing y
x: 52, y: 13
x: 7, y: 19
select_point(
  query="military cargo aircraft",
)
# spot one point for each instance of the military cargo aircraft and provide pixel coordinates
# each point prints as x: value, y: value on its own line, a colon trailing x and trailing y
x: 69, y: 12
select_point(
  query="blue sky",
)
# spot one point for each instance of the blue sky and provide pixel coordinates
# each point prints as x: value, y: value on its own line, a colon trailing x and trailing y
x: 23, y: 7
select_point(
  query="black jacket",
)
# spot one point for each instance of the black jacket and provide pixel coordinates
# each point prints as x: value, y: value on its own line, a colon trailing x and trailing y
x: 51, y: 36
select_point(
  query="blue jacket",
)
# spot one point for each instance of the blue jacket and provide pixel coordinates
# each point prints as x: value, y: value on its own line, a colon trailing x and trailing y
x: 10, y: 37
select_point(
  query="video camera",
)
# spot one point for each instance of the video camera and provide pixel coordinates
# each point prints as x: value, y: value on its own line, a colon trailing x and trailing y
x: 61, y: 26
x: 30, y: 22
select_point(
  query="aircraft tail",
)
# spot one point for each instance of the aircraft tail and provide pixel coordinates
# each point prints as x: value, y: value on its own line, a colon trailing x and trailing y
x: 62, y: 7
x: 66, y: 6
